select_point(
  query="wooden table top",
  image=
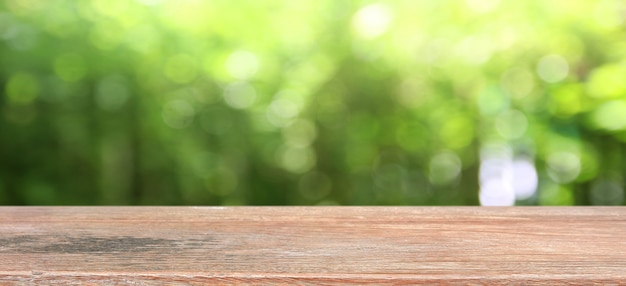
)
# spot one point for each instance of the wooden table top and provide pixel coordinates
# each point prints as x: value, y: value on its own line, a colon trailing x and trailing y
x: 312, y: 245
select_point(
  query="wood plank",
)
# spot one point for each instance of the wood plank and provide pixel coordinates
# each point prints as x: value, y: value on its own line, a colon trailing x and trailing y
x: 311, y: 245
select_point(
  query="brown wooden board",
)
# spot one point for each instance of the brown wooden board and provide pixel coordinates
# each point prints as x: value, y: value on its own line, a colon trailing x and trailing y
x: 312, y: 245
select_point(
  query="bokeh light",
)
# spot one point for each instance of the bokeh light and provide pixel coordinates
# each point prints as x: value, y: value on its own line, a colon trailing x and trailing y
x: 372, y: 21
x: 504, y: 177
x: 552, y: 68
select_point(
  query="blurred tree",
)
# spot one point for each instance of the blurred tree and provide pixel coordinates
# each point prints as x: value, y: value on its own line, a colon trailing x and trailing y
x: 312, y: 102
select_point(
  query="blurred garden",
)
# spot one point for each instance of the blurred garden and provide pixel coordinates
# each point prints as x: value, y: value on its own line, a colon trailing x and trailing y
x: 333, y: 102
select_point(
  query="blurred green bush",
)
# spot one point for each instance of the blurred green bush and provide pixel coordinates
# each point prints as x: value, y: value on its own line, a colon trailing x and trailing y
x: 312, y: 102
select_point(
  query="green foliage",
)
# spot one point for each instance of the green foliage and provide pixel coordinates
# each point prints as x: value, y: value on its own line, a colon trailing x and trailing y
x: 311, y: 102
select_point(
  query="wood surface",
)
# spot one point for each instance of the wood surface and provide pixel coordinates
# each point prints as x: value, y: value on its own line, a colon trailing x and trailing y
x: 312, y: 245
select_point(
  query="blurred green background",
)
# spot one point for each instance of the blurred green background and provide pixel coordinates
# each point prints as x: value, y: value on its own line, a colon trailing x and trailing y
x: 407, y: 102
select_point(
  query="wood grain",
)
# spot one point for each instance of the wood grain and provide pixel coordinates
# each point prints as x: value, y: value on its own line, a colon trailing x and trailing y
x: 312, y: 245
